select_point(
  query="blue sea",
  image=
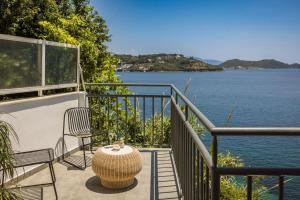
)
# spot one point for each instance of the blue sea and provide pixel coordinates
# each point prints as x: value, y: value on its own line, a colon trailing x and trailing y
x: 255, y: 98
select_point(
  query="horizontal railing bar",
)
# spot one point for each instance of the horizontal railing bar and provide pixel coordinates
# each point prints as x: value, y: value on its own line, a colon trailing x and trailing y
x: 131, y: 84
x: 251, y: 131
x: 128, y: 95
x: 60, y: 86
x: 58, y: 44
x: 34, y: 41
x: 20, y: 39
x: 20, y: 90
x: 200, y: 146
x: 205, y: 121
x: 251, y: 171
x: 36, y: 88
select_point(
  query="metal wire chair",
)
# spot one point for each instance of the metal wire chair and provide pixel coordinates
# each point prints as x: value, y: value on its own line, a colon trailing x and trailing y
x: 79, y: 126
x: 35, y: 157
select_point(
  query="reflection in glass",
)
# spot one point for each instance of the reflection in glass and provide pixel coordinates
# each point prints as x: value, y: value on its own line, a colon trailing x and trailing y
x: 20, y: 64
x: 61, y: 65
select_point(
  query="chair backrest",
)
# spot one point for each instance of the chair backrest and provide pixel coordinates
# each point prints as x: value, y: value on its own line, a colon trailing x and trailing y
x: 78, y: 120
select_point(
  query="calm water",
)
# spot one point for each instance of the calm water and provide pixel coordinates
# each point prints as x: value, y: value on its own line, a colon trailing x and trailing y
x: 256, y: 98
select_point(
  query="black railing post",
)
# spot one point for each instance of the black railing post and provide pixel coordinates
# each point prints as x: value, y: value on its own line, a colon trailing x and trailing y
x: 215, y: 177
x: 144, y: 120
x: 126, y: 119
x: 281, y: 182
x: 162, y: 120
x: 135, y: 119
x: 249, y: 187
x: 215, y: 151
x: 186, y: 112
x: 153, y: 121
x: 117, y: 114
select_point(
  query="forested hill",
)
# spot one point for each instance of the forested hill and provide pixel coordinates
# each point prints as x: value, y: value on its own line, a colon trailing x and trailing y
x: 267, y: 63
x: 163, y: 62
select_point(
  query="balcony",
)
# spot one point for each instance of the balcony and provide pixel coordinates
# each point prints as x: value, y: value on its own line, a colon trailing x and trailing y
x: 175, y: 166
x: 157, y: 118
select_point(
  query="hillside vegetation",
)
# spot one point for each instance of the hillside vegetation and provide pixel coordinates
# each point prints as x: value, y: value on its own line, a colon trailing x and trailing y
x: 267, y: 63
x: 163, y: 62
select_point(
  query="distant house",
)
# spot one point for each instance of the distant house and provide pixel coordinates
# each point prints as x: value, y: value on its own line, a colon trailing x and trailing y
x: 178, y: 56
x: 123, y: 67
x: 143, y: 68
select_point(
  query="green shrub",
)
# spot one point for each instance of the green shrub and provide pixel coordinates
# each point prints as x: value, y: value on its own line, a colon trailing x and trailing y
x: 6, y: 157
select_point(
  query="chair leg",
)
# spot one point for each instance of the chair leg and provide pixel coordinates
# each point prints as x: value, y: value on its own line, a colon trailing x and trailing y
x: 63, y: 148
x: 51, y: 165
x: 53, y: 179
x: 74, y: 165
x: 83, y: 148
x: 2, y: 179
x: 91, y: 145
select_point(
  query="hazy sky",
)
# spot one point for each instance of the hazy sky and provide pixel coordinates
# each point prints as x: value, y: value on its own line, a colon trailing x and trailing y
x: 216, y: 29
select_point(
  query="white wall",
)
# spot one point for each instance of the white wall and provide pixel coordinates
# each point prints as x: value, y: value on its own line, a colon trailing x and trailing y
x: 39, y: 121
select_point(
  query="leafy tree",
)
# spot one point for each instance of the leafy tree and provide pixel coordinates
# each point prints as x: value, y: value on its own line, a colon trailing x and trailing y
x: 21, y: 17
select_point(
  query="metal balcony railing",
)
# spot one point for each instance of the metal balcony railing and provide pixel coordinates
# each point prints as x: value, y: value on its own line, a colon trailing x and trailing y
x: 129, y: 114
x: 197, y: 169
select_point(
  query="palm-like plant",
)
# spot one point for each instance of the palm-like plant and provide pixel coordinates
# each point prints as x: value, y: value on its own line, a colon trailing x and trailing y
x: 7, y: 134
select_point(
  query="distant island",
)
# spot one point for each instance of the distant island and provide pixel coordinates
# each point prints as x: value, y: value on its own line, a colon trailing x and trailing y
x: 266, y: 64
x: 163, y: 62
x: 179, y: 62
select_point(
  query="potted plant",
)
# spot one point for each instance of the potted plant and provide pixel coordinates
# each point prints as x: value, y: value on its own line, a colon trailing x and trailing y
x: 7, y: 134
x: 116, y: 138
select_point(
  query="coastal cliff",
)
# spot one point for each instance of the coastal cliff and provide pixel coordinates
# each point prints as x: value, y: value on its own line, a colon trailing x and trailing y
x: 163, y: 62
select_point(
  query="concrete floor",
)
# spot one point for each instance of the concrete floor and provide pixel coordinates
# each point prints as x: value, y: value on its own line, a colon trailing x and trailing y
x: 155, y: 181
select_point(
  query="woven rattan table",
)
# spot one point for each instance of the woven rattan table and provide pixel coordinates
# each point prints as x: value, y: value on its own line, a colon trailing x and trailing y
x: 117, y: 167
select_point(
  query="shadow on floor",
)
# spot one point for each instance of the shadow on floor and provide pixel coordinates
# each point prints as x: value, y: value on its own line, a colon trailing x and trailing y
x: 163, y: 182
x: 28, y: 193
x: 94, y: 184
x: 76, y: 160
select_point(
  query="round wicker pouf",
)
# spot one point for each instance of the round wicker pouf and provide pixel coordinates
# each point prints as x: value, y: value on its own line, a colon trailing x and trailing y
x: 117, y: 167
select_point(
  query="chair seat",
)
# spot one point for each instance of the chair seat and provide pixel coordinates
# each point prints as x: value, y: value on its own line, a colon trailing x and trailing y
x: 33, y: 157
x: 28, y: 193
x: 83, y: 135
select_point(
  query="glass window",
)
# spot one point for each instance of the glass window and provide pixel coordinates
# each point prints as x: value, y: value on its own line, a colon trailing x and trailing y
x: 20, y: 64
x: 61, y: 65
